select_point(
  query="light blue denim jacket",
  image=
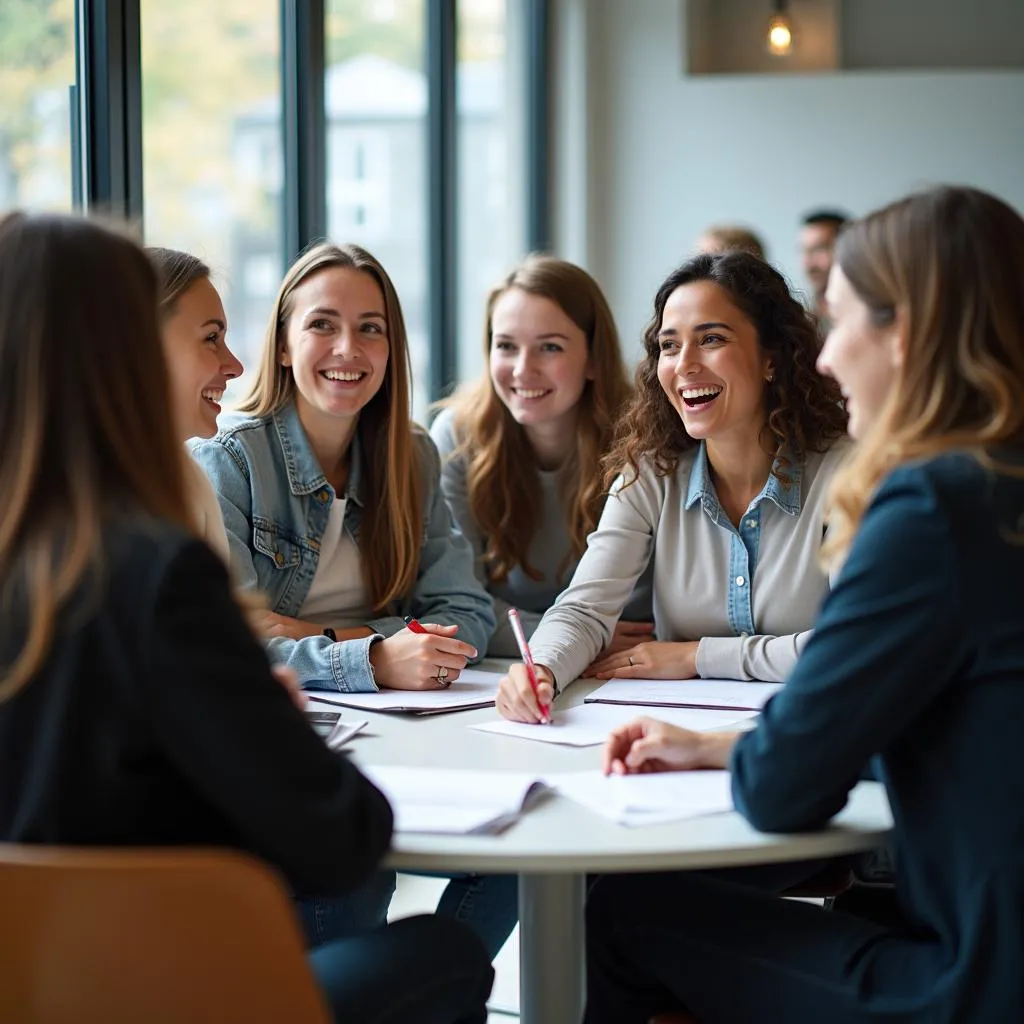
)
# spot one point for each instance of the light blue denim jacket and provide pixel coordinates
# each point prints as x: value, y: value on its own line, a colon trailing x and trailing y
x: 276, y: 499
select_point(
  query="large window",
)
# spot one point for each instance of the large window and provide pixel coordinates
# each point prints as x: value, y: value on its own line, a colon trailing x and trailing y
x: 212, y: 154
x: 375, y: 97
x: 491, y: 167
x: 37, y: 76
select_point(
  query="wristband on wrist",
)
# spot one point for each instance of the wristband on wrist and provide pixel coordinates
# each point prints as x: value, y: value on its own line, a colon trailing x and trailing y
x: 330, y: 634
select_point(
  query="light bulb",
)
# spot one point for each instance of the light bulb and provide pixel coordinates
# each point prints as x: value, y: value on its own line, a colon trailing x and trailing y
x: 780, y: 36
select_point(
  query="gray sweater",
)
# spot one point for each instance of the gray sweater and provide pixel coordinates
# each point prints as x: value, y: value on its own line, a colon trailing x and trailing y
x: 547, y: 552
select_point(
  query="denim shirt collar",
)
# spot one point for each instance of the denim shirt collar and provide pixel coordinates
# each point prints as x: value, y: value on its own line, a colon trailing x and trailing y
x: 305, y: 475
x: 788, y: 497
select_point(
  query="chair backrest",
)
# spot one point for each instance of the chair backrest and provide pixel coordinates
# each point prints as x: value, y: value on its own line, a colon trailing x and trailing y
x: 168, y: 936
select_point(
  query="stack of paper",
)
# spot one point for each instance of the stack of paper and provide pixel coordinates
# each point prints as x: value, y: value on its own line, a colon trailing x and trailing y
x: 727, y: 694
x: 454, y: 800
x: 473, y: 689
x: 589, y: 725
x: 647, y: 799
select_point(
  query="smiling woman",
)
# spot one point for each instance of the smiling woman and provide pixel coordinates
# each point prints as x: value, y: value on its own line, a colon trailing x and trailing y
x: 718, y: 478
x: 542, y: 417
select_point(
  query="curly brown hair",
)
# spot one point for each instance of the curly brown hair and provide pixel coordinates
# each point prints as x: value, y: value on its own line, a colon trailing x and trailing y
x: 804, y: 409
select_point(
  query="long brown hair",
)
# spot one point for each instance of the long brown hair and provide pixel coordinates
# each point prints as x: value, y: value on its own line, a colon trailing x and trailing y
x: 390, y: 538
x: 496, y: 448
x: 86, y: 432
x: 949, y: 264
x: 804, y: 409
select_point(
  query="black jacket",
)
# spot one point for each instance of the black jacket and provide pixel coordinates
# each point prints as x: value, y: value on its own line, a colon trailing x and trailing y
x: 156, y: 721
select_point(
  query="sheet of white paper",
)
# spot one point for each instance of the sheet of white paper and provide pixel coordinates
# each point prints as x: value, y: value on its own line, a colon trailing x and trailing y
x: 451, y: 799
x: 588, y: 725
x: 473, y: 689
x: 708, y: 693
x: 344, y: 731
x: 647, y: 799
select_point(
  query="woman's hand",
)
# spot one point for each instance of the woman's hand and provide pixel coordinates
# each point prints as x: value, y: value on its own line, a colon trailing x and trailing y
x: 270, y: 624
x: 411, y: 661
x: 516, y: 700
x: 657, y: 659
x: 647, y: 745
x: 627, y: 635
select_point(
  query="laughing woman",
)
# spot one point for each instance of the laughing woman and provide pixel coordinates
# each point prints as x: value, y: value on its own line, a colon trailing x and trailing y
x: 725, y: 454
x: 193, y: 328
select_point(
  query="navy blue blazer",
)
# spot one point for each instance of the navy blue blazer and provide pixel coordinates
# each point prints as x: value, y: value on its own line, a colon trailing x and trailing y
x: 918, y: 657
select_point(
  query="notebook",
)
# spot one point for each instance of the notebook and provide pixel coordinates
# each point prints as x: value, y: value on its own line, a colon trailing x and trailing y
x: 473, y: 689
x: 588, y: 725
x: 726, y: 694
x: 453, y: 800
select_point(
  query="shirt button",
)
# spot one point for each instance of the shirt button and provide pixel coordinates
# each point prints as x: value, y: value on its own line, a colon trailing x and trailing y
x: 752, y: 523
x: 740, y: 581
x: 278, y: 558
x: 323, y: 496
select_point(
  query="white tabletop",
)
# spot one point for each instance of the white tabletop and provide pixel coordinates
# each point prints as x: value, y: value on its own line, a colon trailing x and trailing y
x: 559, y: 835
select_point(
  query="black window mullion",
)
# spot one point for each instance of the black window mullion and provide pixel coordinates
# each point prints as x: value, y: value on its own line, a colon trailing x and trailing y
x: 111, y: 106
x: 538, y: 125
x: 442, y: 262
x: 303, y: 124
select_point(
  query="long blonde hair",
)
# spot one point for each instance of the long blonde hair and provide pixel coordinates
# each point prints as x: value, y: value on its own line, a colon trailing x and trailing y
x: 498, y: 454
x: 86, y: 431
x: 390, y: 537
x: 949, y: 264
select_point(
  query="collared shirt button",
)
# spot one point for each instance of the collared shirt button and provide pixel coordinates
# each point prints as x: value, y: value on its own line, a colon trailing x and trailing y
x: 740, y: 581
x: 323, y: 496
x: 752, y: 523
x: 278, y: 558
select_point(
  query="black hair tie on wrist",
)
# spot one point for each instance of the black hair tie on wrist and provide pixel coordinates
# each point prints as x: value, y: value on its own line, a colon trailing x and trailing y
x: 330, y: 634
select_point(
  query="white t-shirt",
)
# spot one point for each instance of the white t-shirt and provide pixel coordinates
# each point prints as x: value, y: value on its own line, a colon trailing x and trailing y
x: 337, y: 596
x: 206, y: 510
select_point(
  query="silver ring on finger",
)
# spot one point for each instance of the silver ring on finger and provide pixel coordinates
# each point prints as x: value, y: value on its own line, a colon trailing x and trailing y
x: 631, y: 661
x: 442, y: 677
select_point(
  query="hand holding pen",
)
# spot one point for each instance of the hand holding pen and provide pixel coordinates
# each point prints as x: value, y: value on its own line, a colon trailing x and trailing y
x: 525, y: 694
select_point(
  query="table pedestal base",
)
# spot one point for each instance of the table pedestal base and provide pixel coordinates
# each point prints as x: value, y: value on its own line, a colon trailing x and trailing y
x: 551, y: 948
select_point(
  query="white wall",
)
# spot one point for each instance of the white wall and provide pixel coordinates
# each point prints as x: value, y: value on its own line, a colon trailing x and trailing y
x: 668, y: 154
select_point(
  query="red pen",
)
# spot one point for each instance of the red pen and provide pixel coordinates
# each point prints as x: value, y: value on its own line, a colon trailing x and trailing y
x: 531, y: 669
x: 414, y: 625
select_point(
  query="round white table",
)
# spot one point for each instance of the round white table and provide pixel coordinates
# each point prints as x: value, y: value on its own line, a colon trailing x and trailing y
x: 557, y: 843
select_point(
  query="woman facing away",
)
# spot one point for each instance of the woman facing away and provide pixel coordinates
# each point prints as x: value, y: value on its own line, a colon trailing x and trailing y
x: 333, y: 507
x: 917, y: 663
x: 133, y: 695
x: 722, y: 465
x: 540, y: 420
x: 200, y: 364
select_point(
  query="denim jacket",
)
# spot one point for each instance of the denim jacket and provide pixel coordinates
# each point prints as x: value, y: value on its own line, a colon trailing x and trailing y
x: 276, y: 499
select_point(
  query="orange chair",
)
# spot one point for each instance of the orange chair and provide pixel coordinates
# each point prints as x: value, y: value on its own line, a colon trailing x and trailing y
x: 105, y: 936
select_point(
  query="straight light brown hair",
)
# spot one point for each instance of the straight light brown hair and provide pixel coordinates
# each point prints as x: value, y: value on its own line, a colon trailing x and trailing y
x: 949, y: 263
x: 86, y: 432
x: 500, y: 460
x: 391, y: 536
x: 176, y: 272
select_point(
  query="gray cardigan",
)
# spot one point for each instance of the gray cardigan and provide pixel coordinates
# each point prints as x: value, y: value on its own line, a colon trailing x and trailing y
x: 549, y: 548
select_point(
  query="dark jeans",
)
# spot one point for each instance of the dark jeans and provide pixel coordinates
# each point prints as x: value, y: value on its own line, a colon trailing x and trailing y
x: 721, y: 945
x: 326, y: 918
x: 420, y: 970
x: 489, y: 904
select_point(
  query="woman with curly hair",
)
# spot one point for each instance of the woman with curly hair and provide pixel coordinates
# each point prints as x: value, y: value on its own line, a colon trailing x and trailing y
x: 721, y: 468
x: 542, y: 415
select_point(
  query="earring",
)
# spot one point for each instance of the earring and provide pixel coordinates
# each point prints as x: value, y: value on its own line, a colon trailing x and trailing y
x: 770, y: 377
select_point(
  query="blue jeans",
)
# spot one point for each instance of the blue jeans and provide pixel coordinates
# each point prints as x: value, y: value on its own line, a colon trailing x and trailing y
x: 325, y: 919
x: 420, y: 970
x: 489, y: 904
